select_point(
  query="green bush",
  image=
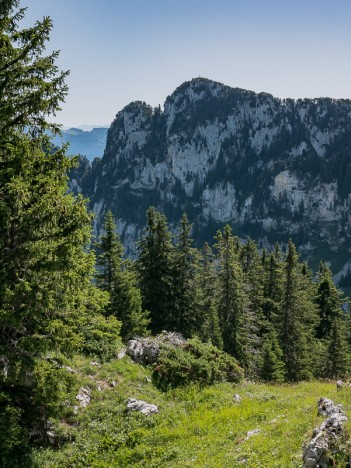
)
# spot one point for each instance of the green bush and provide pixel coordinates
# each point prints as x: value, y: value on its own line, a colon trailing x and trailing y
x: 195, y: 362
x: 102, y: 336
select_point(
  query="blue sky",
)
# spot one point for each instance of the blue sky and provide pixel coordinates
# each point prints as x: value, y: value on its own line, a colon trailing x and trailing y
x: 122, y: 51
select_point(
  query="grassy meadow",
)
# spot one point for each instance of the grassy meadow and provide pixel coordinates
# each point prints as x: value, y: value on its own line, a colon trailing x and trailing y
x: 195, y: 427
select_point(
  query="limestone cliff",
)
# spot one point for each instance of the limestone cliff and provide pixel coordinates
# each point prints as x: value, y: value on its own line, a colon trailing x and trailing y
x: 271, y: 168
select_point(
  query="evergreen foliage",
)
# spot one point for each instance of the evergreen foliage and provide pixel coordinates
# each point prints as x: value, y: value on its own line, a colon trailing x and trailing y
x: 211, y: 330
x: 273, y: 368
x: 272, y: 286
x: 297, y: 319
x: 117, y: 278
x: 195, y: 362
x: 155, y: 271
x: 185, y: 317
x: 32, y: 87
x: 332, y: 327
x: 46, y: 291
x: 231, y: 299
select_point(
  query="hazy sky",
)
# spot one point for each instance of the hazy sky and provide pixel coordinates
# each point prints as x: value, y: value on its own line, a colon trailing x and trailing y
x: 122, y: 51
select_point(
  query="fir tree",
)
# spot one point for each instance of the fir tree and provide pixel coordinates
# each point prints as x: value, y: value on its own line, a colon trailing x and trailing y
x: 231, y: 299
x: 328, y: 300
x: 31, y: 85
x: 155, y: 270
x: 273, y: 368
x: 331, y: 329
x: 116, y: 277
x: 46, y: 291
x: 185, y: 314
x: 211, y: 330
x: 110, y: 251
x: 272, y: 287
x: 338, y: 350
x: 297, y: 320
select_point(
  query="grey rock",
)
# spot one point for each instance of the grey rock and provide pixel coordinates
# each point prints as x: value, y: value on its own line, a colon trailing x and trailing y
x: 83, y: 396
x: 141, y: 406
x: 316, y: 451
x: 326, y: 407
x: 122, y: 353
x: 52, y: 437
x: 175, y: 157
x: 147, y: 349
x: 236, y: 398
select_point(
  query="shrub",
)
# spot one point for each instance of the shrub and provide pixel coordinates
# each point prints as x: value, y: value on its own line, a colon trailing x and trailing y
x: 102, y: 336
x: 195, y: 362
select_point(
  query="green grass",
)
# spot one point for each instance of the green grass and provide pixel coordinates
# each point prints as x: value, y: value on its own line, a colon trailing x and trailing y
x: 194, y: 428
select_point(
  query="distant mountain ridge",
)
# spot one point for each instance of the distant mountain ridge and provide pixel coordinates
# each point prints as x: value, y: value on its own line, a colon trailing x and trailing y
x: 88, y: 143
x: 271, y: 168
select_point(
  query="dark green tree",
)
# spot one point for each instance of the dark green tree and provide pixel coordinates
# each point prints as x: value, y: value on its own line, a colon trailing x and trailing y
x: 185, y: 315
x: 338, y: 350
x: 116, y: 276
x: 211, y: 330
x: 332, y: 326
x: 46, y: 293
x: 273, y: 368
x: 109, y: 259
x: 329, y: 301
x: 272, y: 287
x: 231, y: 299
x: 297, y: 319
x: 31, y: 85
x: 155, y: 270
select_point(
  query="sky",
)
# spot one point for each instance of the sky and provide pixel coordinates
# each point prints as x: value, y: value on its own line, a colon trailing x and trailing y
x: 119, y: 51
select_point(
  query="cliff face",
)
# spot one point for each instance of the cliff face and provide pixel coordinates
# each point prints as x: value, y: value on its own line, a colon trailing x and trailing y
x: 271, y: 168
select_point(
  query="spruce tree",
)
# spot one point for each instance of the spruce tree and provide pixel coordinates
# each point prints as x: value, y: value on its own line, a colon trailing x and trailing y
x: 46, y: 291
x: 297, y: 320
x: 328, y: 300
x: 31, y: 85
x: 231, y: 299
x: 332, y: 329
x: 273, y: 368
x: 116, y: 276
x: 185, y: 314
x: 109, y: 258
x: 272, y: 288
x: 338, y: 350
x: 210, y: 330
x: 155, y: 270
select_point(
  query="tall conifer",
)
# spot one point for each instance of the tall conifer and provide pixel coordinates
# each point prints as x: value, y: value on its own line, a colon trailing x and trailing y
x: 297, y: 319
x: 45, y: 269
x: 231, y: 298
x: 116, y: 276
x: 155, y: 270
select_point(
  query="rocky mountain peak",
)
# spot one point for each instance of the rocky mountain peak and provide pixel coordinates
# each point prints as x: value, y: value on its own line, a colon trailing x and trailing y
x: 271, y: 168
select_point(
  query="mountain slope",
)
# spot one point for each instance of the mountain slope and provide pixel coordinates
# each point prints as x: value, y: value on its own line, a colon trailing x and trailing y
x: 271, y: 168
x: 196, y: 426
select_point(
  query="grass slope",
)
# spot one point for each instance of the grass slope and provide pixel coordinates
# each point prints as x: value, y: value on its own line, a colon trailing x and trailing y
x: 194, y: 428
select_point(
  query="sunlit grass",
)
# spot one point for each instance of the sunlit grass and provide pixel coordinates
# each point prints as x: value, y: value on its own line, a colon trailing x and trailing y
x: 194, y: 428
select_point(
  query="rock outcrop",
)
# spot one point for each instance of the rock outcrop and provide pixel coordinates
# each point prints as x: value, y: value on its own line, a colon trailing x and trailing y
x: 325, y: 437
x: 141, y: 406
x: 147, y: 349
x: 84, y: 396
